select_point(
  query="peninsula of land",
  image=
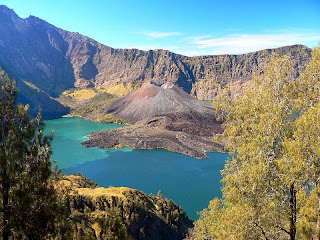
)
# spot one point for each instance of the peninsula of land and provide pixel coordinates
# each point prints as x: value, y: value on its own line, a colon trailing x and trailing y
x: 162, y: 116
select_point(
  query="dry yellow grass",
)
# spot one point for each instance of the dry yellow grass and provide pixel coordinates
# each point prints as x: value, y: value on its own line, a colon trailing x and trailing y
x: 100, y: 191
x: 71, y: 181
x: 120, y: 90
x: 74, y: 177
x: 81, y: 94
x: 97, y: 228
x: 65, y: 183
x: 77, y: 182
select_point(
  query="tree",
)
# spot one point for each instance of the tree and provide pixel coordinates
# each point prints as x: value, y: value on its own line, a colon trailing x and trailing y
x: 272, y: 180
x: 29, y: 205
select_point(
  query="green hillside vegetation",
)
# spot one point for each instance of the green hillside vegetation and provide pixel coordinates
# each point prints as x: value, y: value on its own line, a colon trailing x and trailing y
x: 80, y: 94
x: 121, y: 89
x: 120, y: 212
x: 90, y: 104
x: 271, y: 186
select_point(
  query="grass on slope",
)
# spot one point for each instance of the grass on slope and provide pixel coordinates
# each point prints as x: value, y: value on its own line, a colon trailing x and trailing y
x: 80, y: 94
x: 119, y: 212
x: 120, y: 90
x: 90, y: 104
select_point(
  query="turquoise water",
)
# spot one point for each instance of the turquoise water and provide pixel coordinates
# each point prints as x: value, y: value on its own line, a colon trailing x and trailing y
x: 190, y: 182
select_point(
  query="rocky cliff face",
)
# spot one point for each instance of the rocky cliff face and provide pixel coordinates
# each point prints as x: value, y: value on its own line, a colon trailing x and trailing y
x: 55, y: 60
x: 214, y: 73
x: 33, y: 50
x: 204, y: 77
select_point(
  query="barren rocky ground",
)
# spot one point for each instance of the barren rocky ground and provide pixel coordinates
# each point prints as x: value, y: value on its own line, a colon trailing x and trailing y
x: 163, y: 116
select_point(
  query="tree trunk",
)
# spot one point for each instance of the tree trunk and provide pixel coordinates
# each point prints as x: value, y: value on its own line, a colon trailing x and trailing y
x: 5, y: 203
x: 318, y: 220
x: 293, y: 214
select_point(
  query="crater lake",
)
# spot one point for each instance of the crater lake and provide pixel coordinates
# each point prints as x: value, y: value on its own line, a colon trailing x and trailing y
x: 190, y: 182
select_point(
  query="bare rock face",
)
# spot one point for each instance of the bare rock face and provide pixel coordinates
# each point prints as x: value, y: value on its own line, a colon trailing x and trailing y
x: 55, y: 60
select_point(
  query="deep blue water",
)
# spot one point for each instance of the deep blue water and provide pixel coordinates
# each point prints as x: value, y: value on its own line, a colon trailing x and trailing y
x: 190, y: 182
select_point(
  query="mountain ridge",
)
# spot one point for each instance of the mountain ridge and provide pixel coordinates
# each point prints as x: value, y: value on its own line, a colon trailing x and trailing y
x: 55, y: 60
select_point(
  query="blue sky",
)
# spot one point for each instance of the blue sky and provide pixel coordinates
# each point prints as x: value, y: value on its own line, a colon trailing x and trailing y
x: 186, y: 27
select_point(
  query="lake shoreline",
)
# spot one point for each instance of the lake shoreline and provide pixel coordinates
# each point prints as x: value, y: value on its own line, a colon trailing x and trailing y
x: 190, y: 182
x: 189, y: 138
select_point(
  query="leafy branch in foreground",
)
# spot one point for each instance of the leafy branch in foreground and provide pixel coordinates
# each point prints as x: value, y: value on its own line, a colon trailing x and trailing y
x: 30, y: 207
x: 271, y: 186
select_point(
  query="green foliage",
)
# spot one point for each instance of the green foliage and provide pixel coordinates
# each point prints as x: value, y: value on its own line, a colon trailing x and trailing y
x: 120, y: 213
x: 112, y: 226
x: 270, y: 187
x: 110, y: 118
x: 80, y: 94
x: 30, y: 207
x: 91, y: 108
x: 122, y: 89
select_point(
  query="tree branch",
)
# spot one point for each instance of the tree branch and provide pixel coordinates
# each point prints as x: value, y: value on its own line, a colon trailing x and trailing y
x: 286, y: 231
x: 263, y: 232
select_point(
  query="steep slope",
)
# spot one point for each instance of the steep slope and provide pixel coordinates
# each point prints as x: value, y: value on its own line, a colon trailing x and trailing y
x: 29, y: 54
x: 121, y: 213
x: 203, y: 77
x: 33, y: 50
x: 164, y: 116
x: 50, y: 108
x: 155, y: 99
x: 29, y: 93
x: 215, y: 73
x: 55, y: 60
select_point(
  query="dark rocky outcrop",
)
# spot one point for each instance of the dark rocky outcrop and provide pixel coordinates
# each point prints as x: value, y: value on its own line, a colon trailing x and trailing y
x: 55, y: 60
x: 184, y: 136
x: 120, y: 212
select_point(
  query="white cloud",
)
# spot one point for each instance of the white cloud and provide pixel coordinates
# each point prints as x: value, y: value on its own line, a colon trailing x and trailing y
x: 154, y: 34
x: 243, y: 43
x: 152, y: 47
x: 228, y: 44
x: 189, y: 52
